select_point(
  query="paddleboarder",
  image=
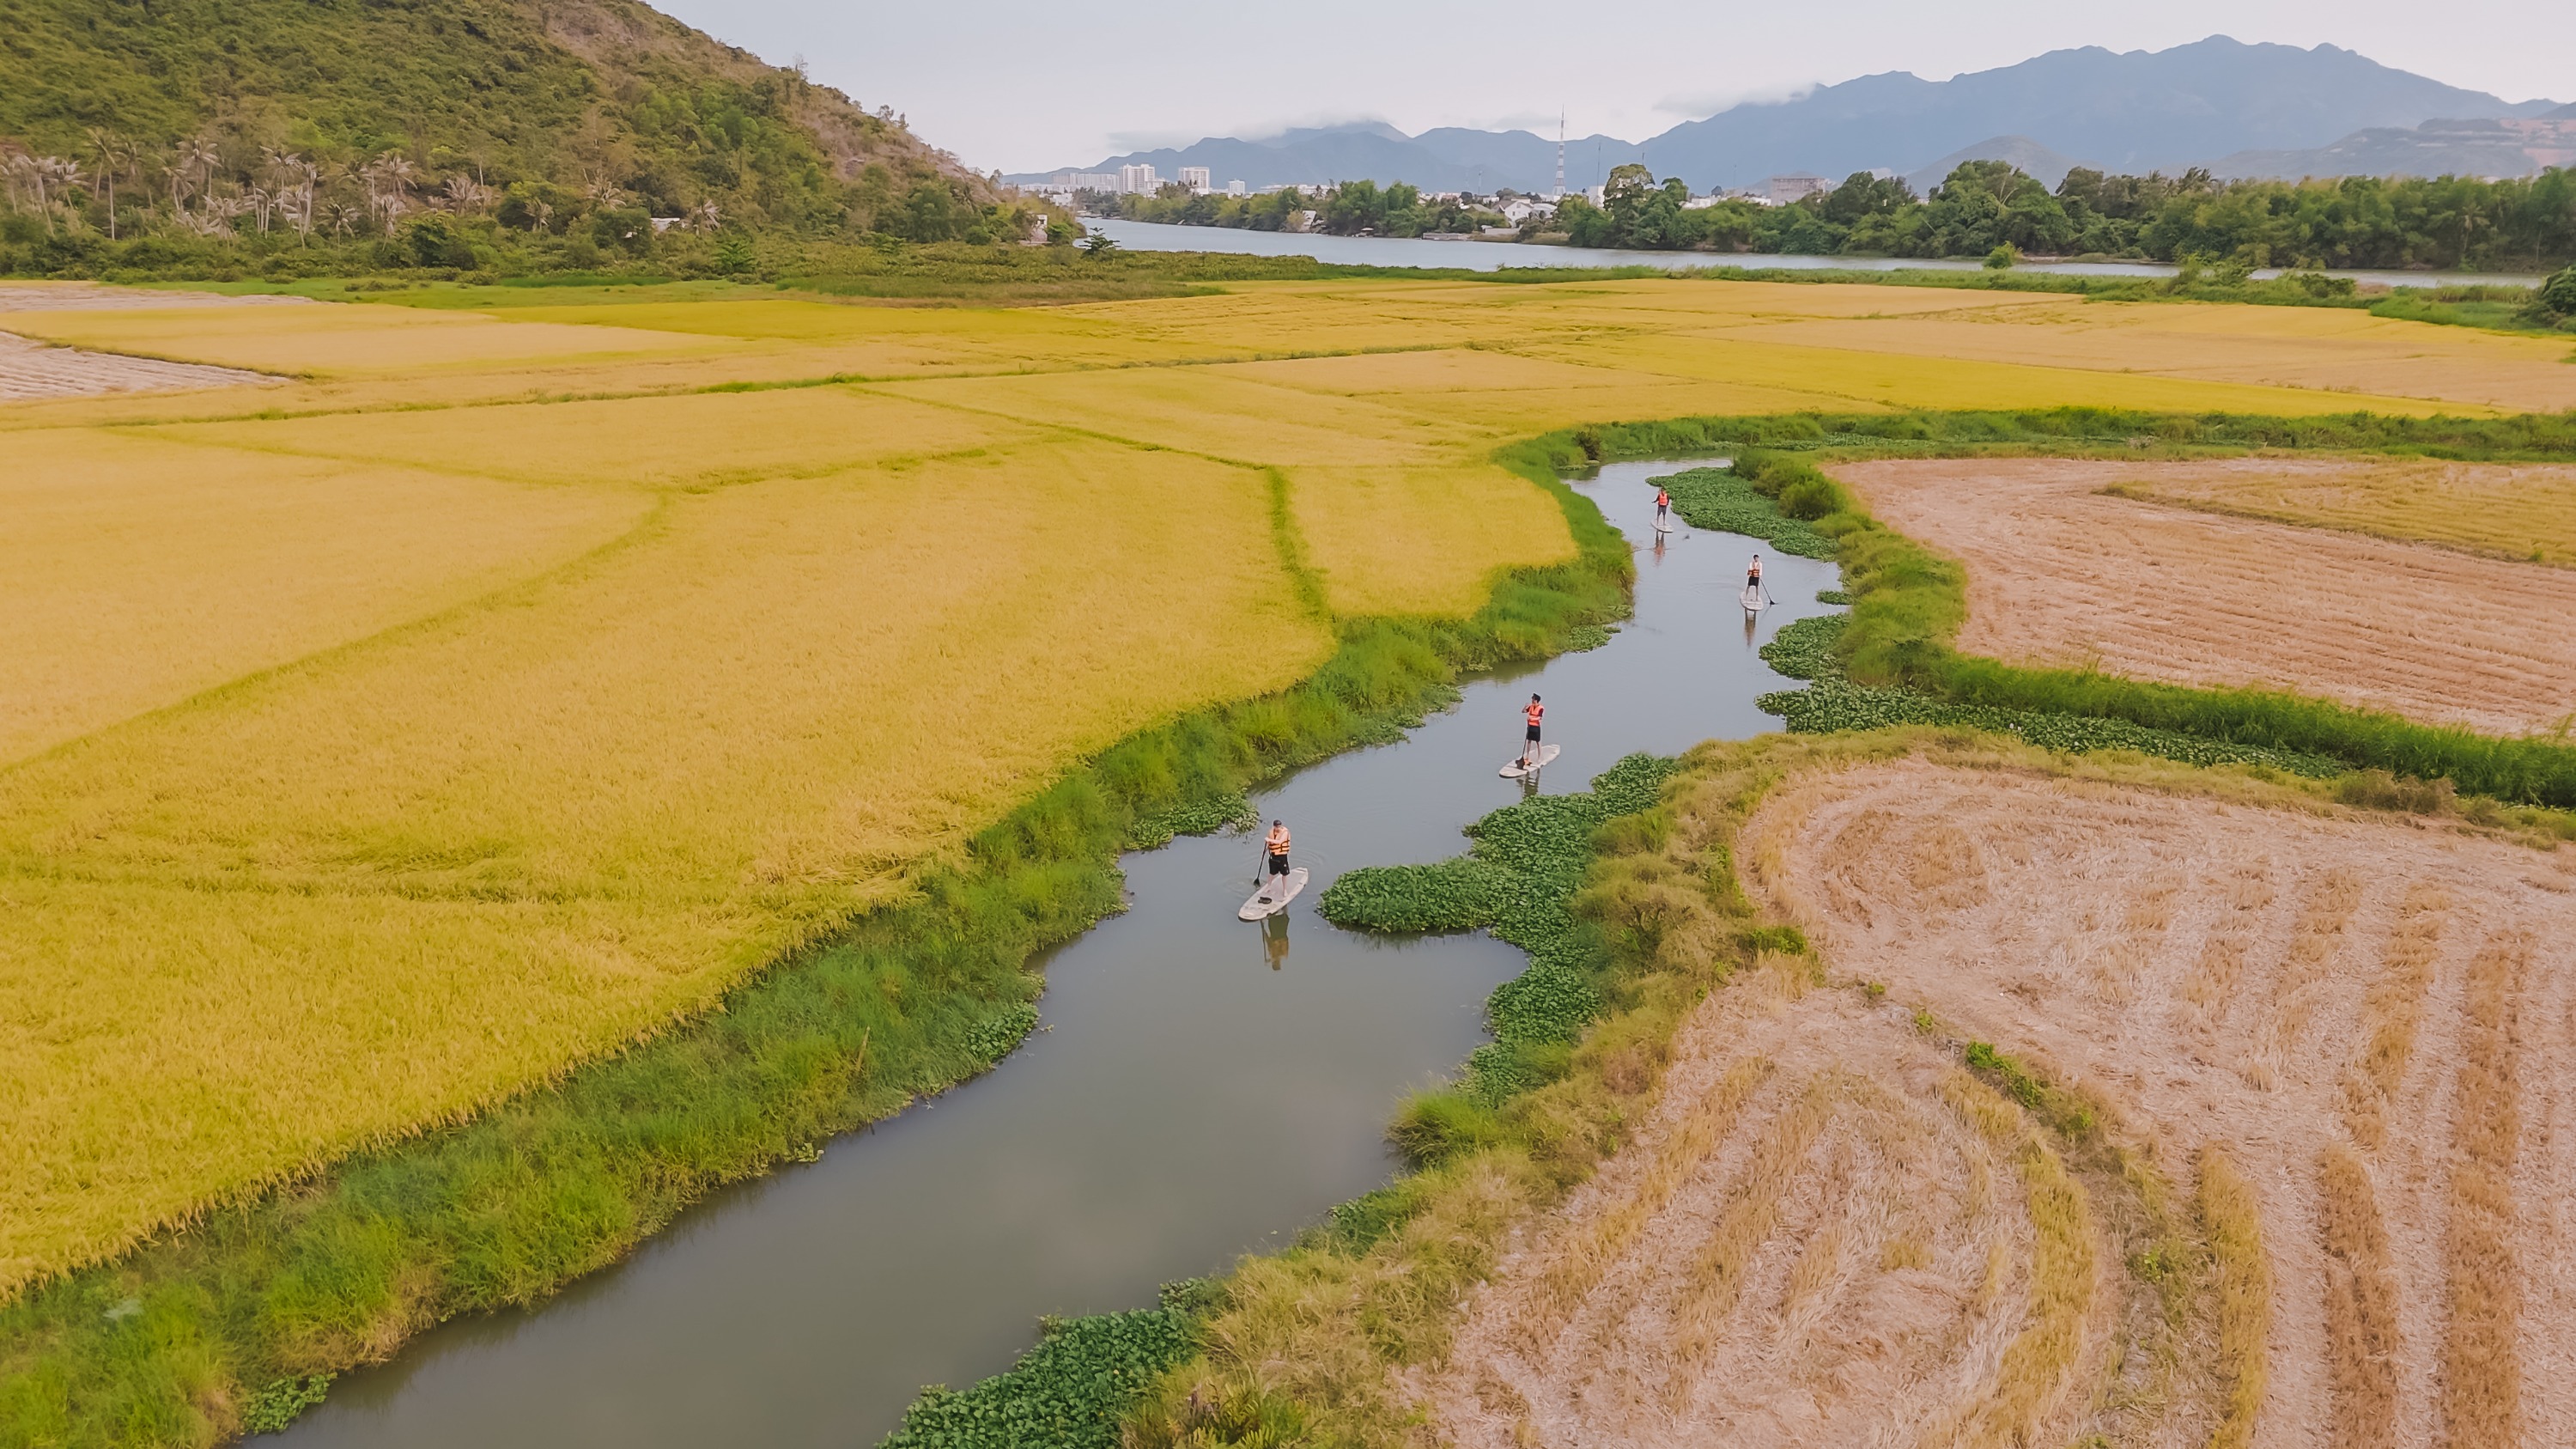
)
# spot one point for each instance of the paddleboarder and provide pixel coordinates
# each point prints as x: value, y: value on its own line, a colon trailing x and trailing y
x: 1663, y: 506
x: 1277, y: 846
x: 1753, y: 576
x: 1533, y: 712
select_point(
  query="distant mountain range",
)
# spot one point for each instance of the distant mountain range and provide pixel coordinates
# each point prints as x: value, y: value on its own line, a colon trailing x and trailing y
x: 1447, y: 159
x: 2242, y: 109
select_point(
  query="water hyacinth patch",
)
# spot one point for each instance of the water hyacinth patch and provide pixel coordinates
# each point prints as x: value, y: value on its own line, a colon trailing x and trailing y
x: 1518, y: 879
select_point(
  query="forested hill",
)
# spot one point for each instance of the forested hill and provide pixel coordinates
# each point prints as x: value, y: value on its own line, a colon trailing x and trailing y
x: 563, y: 106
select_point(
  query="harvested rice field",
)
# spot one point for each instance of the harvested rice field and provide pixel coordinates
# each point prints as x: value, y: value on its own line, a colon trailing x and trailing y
x: 2320, y: 1066
x: 2062, y: 572
x: 500, y: 682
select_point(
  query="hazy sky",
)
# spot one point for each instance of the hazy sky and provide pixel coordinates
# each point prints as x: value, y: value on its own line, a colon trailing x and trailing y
x: 1016, y: 85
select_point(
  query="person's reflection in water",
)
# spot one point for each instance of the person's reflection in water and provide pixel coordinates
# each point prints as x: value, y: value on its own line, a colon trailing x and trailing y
x: 1752, y: 621
x: 1274, y: 939
x: 1659, y: 548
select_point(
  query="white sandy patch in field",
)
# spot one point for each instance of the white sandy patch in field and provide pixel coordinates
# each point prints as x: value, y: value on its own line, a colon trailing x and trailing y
x: 2060, y: 574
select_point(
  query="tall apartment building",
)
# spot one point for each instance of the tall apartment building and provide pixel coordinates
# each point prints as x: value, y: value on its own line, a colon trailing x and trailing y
x: 1138, y: 180
x: 1196, y: 179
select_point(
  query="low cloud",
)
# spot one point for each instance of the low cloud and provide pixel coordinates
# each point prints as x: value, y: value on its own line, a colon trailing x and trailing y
x: 1699, y: 104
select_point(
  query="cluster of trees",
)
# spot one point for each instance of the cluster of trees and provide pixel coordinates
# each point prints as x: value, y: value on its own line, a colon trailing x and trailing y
x: 1983, y: 205
x: 1353, y: 208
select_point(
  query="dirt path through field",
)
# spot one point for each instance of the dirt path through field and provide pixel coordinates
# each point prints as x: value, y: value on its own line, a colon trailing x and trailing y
x: 2060, y: 574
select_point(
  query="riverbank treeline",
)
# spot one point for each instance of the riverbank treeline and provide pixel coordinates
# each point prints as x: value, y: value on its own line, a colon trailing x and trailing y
x: 2450, y: 222
x: 2355, y: 221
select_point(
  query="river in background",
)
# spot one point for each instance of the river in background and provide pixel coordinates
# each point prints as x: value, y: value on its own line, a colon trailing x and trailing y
x: 1486, y: 256
x: 1201, y: 1088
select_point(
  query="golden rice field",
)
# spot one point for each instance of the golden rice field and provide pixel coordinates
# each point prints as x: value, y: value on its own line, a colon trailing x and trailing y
x: 2316, y: 1195
x: 490, y: 689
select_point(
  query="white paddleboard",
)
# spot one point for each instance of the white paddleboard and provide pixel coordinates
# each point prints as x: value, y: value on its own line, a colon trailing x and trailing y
x: 1514, y: 770
x: 1274, y: 895
x: 1664, y: 524
x: 1751, y: 598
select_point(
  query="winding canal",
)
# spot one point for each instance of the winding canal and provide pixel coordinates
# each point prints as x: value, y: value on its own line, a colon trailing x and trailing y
x: 1200, y: 1088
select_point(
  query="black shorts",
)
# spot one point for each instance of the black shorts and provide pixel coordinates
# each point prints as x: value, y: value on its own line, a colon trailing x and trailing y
x: 1278, y: 862
x: 1533, y: 734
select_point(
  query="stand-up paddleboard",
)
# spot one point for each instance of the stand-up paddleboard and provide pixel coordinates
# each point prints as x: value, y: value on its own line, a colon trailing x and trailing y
x: 1516, y: 770
x: 1752, y: 599
x: 1274, y: 895
x: 1664, y: 524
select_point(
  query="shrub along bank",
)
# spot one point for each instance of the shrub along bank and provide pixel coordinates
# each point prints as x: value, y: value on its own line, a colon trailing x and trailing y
x: 236, y: 1321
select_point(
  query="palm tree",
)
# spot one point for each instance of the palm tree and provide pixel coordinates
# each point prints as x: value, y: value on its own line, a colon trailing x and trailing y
x: 192, y: 172
x: 114, y: 155
x: 464, y: 193
x: 388, y: 182
x: 44, y: 173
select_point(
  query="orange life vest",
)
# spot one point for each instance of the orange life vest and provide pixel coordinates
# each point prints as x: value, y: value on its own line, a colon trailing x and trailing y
x: 1279, y: 841
x: 1534, y: 711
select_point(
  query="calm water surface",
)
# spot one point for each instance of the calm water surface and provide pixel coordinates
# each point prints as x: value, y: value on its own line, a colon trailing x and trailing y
x: 1483, y: 256
x: 1203, y: 1087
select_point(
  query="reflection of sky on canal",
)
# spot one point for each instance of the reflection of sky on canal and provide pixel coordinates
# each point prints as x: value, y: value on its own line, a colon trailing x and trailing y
x: 1204, y: 1086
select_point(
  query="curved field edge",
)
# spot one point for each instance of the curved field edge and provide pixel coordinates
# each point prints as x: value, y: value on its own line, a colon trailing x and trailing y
x: 234, y: 1323
x: 1331, y: 1342
x: 1908, y: 601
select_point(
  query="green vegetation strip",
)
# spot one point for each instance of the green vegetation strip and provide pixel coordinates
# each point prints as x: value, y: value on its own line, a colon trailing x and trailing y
x: 232, y: 1323
x: 1805, y: 650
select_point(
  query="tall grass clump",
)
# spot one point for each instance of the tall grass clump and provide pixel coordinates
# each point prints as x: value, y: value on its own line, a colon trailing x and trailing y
x: 249, y: 1308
